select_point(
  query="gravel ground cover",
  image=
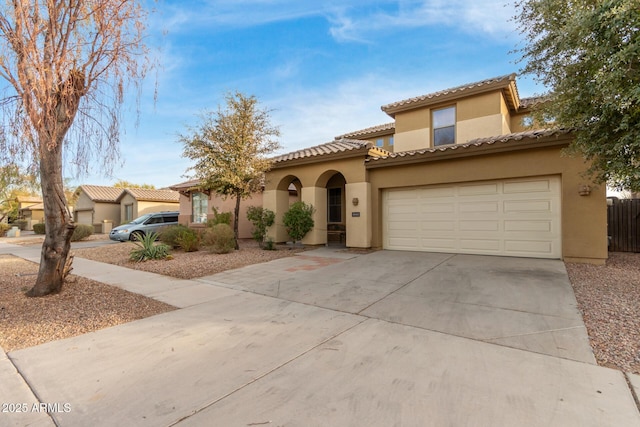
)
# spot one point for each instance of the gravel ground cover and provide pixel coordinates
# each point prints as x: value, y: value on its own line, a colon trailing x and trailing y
x: 187, y: 265
x: 609, y: 298
x: 82, y: 306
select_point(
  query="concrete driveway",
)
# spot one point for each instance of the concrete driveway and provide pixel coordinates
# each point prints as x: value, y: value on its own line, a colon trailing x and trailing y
x: 333, y: 338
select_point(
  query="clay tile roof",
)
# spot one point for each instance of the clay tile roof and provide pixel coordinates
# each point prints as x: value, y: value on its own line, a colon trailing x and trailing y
x: 99, y: 193
x: 187, y: 185
x: 534, y: 100
x: 368, y: 131
x: 488, y: 84
x: 148, y: 195
x: 324, y: 149
x: 531, y: 135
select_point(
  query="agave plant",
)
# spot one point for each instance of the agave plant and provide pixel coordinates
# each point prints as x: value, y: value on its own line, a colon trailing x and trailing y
x: 148, y: 249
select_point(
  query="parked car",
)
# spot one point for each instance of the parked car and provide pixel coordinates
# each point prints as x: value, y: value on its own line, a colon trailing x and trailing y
x: 139, y: 227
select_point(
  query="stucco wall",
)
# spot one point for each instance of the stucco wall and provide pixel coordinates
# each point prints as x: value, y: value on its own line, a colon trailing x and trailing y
x: 244, y: 226
x: 584, y: 218
x: 150, y: 207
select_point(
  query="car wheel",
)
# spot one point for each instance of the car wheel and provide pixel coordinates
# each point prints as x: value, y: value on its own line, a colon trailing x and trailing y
x: 136, y: 236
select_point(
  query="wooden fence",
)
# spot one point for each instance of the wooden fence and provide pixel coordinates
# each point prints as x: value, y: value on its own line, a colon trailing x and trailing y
x: 623, y: 221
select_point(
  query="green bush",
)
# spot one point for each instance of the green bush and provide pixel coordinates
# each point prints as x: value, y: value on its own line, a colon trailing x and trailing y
x: 169, y: 236
x: 38, y: 228
x: 3, y: 228
x: 188, y: 240
x: 261, y: 219
x: 82, y: 231
x: 298, y: 220
x: 20, y: 223
x: 148, y: 249
x: 219, y: 239
x: 269, y: 244
x: 220, y: 218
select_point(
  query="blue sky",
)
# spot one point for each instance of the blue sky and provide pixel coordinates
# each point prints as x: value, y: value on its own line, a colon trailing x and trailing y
x: 323, y: 67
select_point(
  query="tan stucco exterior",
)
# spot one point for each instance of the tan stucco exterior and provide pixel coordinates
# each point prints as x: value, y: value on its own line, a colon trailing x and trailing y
x: 492, y: 144
x: 87, y: 211
x: 584, y: 218
x: 141, y: 207
x: 222, y: 205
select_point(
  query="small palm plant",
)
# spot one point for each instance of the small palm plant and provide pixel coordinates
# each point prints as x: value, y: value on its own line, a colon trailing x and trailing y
x: 148, y: 249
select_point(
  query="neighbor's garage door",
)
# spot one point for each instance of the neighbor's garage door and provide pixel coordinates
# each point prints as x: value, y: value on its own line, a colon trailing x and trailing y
x: 85, y: 217
x: 515, y: 217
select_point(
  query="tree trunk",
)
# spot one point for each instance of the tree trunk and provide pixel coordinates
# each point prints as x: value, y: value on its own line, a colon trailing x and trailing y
x: 58, y: 223
x: 236, y: 220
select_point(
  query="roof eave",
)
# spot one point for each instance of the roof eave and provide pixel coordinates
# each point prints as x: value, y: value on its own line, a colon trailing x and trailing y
x: 471, y: 151
x: 506, y: 83
x: 347, y: 154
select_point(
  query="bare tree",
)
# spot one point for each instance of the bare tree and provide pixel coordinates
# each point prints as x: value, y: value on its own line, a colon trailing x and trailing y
x: 68, y: 65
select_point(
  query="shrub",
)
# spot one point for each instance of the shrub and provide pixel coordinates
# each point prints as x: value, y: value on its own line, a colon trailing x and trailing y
x: 269, y: 244
x: 38, y: 228
x: 82, y: 231
x: 219, y: 239
x: 261, y: 219
x: 3, y: 228
x: 20, y: 223
x: 169, y: 236
x: 188, y: 240
x: 148, y: 249
x: 220, y: 218
x: 298, y: 220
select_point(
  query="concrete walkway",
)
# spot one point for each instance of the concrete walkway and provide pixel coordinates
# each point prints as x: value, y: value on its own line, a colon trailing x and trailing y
x: 331, y: 338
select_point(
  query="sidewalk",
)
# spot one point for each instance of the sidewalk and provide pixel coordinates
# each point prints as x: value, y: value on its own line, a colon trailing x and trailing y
x: 238, y: 354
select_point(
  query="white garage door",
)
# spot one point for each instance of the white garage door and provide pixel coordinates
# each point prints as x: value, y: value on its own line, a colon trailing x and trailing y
x: 515, y: 217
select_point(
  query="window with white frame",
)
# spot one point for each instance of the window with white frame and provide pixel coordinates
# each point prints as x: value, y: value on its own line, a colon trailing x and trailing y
x: 444, y: 126
x: 199, y: 206
x: 128, y: 213
x: 380, y: 142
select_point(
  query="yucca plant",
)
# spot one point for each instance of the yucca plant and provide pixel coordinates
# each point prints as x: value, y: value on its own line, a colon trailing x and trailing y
x: 148, y: 249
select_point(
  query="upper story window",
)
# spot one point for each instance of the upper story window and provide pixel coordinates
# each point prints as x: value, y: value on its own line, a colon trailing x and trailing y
x: 444, y: 126
x: 379, y: 142
x: 391, y: 141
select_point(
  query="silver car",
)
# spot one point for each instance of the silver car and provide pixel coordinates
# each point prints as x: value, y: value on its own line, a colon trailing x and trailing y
x: 139, y: 227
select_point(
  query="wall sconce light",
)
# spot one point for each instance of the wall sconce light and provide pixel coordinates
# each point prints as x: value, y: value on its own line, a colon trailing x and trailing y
x: 355, y: 201
x: 584, y: 190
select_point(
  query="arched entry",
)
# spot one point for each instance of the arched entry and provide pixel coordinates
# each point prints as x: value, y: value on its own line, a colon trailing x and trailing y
x: 336, y: 210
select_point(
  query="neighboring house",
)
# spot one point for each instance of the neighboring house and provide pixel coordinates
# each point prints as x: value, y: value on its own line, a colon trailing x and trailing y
x: 458, y: 171
x: 196, y: 206
x: 97, y: 204
x: 30, y: 209
x: 135, y: 202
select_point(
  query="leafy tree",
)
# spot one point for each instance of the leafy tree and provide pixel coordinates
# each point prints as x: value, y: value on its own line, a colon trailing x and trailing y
x: 230, y: 148
x: 67, y: 65
x: 14, y: 183
x: 126, y: 184
x: 298, y: 220
x: 588, y: 54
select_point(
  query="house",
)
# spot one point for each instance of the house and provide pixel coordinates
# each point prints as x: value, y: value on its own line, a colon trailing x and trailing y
x: 135, y: 202
x: 30, y: 209
x: 197, y: 205
x: 96, y: 205
x: 460, y: 170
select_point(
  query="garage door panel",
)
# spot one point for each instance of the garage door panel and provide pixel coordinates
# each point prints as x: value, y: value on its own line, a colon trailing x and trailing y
x: 479, y: 225
x: 516, y: 217
x: 527, y: 187
x: 478, y: 189
x: 527, y: 225
x: 528, y: 206
x: 529, y: 246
